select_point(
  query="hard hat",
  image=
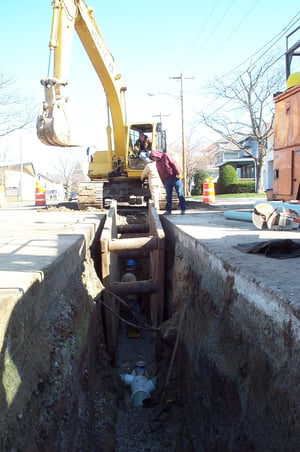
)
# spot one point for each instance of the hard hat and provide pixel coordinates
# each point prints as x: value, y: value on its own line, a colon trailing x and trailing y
x: 139, y: 367
x: 131, y: 263
x: 140, y: 363
x: 293, y: 80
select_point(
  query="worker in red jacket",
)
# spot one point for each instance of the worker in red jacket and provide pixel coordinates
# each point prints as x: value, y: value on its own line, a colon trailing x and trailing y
x: 169, y: 173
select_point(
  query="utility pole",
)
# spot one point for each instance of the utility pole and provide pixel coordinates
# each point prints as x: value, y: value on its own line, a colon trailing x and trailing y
x: 21, y: 171
x: 160, y: 116
x: 159, y: 137
x: 184, y: 169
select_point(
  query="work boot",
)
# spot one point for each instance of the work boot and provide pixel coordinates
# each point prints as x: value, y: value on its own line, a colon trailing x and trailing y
x: 137, y: 333
x: 167, y: 212
x: 133, y: 333
x: 182, y: 212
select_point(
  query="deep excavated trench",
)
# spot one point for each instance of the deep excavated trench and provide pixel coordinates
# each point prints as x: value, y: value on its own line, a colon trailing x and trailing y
x: 159, y: 424
x: 231, y: 385
x: 70, y: 396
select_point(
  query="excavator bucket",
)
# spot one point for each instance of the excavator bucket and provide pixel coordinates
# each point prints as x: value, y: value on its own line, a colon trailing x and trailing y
x: 53, y: 126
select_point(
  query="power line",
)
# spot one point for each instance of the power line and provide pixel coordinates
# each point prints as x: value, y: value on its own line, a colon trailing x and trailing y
x: 234, y: 31
x: 252, y: 60
x: 206, y: 21
x: 265, y: 49
x: 217, y: 26
x: 255, y: 57
x: 218, y: 23
x: 260, y: 53
x: 268, y: 46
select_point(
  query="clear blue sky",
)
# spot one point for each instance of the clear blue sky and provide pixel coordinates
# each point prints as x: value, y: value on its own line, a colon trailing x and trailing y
x: 198, y: 38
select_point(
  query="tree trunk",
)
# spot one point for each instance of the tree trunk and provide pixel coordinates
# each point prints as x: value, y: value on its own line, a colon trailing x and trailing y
x: 260, y: 167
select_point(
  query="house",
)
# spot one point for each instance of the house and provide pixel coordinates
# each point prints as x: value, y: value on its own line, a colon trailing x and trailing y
x: 224, y: 153
x: 54, y: 191
x: 20, y: 181
x: 228, y: 153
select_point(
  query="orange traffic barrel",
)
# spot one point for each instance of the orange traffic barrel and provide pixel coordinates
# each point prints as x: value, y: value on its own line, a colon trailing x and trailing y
x: 209, y: 191
x: 40, y: 197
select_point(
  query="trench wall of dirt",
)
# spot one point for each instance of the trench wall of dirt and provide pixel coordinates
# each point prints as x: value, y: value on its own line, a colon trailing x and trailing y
x: 236, y: 368
x: 56, y: 378
x: 238, y: 358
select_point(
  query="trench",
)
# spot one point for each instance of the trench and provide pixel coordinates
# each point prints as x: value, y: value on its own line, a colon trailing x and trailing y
x: 227, y: 370
x: 226, y: 389
x: 71, y: 396
x: 158, y: 423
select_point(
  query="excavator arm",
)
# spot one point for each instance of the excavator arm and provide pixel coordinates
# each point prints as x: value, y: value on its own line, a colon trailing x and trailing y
x: 53, y: 122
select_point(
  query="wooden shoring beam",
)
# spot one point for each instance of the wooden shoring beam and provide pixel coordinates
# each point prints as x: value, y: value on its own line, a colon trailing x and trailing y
x: 133, y: 228
x: 134, y: 287
x: 133, y: 253
x: 136, y: 243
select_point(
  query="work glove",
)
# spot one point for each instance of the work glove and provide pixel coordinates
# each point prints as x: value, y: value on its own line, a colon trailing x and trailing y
x: 179, y: 176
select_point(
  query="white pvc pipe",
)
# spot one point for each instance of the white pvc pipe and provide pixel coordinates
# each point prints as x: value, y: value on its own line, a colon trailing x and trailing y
x: 238, y: 215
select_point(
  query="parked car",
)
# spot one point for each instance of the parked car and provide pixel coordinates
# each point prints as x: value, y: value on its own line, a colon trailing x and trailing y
x: 73, y: 196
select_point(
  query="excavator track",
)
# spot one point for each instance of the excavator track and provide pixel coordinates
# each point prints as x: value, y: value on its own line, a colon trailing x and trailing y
x: 90, y: 195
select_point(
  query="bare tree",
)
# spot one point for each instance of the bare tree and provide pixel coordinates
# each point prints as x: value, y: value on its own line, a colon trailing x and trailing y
x: 196, y: 157
x: 248, y: 110
x: 3, y: 169
x: 16, y: 112
x: 69, y: 172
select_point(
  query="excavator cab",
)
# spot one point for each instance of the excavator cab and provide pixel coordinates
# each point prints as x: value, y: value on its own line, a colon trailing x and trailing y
x: 142, y: 139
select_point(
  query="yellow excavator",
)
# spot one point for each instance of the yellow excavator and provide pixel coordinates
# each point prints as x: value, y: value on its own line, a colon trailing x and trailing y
x: 115, y: 172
